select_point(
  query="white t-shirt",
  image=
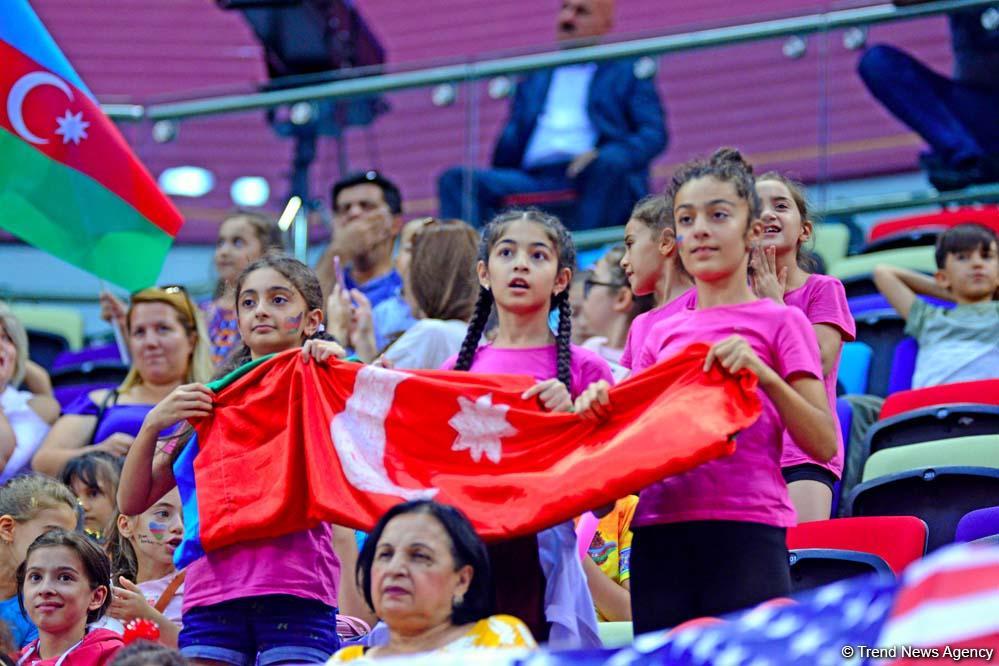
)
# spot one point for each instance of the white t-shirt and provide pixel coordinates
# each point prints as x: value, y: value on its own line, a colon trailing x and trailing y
x: 427, y: 344
x: 564, y: 129
x: 29, y: 430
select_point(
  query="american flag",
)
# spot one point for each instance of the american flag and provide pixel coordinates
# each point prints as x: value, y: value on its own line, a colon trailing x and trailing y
x: 945, y: 605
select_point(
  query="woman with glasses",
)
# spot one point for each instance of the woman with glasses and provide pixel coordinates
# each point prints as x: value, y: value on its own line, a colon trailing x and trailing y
x: 168, y: 346
x: 609, y: 307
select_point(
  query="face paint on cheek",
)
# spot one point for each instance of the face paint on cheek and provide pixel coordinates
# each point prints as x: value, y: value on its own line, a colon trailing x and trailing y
x: 158, y: 530
x: 679, y: 240
x: 291, y: 324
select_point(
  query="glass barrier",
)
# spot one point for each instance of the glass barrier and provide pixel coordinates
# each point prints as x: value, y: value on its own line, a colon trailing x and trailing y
x: 793, y: 101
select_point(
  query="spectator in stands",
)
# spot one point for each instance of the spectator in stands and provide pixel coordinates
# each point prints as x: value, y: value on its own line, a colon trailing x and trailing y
x: 720, y: 529
x: 783, y: 271
x: 956, y: 117
x: 67, y: 568
x: 93, y: 478
x: 608, y: 562
x: 426, y: 574
x: 959, y: 344
x: 281, y: 591
x: 525, y: 267
x: 609, y: 307
x: 591, y: 128
x: 146, y: 583
x: 651, y: 262
x: 367, y: 217
x: 169, y: 347
x: 441, y: 287
x: 30, y: 505
x: 25, y: 414
x: 243, y: 238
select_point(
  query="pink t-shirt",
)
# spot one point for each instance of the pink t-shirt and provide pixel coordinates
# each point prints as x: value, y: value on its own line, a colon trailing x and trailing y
x: 154, y: 589
x: 640, y: 327
x: 539, y: 362
x: 747, y: 485
x: 301, y: 564
x: 823, y: 300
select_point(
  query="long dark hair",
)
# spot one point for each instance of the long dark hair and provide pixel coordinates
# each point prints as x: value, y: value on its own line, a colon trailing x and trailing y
x: 96, y: 566
x: 566, y: 250
x: 466, y: 548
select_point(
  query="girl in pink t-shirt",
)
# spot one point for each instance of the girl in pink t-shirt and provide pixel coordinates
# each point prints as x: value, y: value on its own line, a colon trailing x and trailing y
x: 712, y: 540
x: 652, y: 266
x: 272, y: 600
x: 785, y: 274
x: 525, y: 268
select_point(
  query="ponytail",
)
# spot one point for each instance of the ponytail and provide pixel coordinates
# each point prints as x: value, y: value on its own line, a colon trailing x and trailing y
x: 483, y: 308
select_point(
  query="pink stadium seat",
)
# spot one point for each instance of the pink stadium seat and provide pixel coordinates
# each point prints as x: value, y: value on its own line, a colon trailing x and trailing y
x: 987, y: 215
x: 982, y: 392
x: 898, y: 540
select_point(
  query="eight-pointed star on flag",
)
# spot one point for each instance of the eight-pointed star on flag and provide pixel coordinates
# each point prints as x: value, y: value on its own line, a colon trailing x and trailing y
x: 72, y: 127
x: 480, y: 426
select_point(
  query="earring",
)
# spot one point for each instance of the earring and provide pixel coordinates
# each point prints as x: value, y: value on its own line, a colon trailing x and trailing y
x: 457, y: 600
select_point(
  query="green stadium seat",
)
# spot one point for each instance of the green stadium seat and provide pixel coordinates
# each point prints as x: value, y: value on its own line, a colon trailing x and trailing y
x: 830, y: 242
x: 65, y: 322
x: 974, y: 451
x: 616, y: 634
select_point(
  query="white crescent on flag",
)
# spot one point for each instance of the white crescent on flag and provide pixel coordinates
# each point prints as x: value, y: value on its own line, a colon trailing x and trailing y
x: 20, y: 90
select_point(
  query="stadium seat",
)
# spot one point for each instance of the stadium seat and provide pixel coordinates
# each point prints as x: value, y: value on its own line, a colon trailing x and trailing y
x: 933, y: 423
x: 616, y: 634
x: 827, y: 551
x: 854, y: 367
x: 903, y: 365
x: 938, y: 495
x: 978, y: 524
x: 987, y: 215
x: 830, y: 242
x: 855, y: 271
x: 815, y: 567
x: 64, y: 322
x: 910, y: 238
x: 844, y: 412
x: 45, y: 346
x: 881, y: 331
x: 982, y: 392
x: 975, y: 451
x: 878, y: 304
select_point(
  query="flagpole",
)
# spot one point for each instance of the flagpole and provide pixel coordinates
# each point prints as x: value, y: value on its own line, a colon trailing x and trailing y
x: 119, y: 337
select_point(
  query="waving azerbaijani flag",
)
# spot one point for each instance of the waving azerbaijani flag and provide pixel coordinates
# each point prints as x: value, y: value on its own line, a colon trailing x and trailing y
x: 69, y: 184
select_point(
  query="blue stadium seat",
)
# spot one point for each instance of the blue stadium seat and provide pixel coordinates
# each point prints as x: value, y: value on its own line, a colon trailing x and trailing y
x: 881, y: 331
x: 933, y: 423
x: 940, y: 496
x: 854, y: 367
x: 815, y: 567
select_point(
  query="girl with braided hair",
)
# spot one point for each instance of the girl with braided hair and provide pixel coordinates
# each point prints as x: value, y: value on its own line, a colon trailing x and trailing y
x: 525, y: 265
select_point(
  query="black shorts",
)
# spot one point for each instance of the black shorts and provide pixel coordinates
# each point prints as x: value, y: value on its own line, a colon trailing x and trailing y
x: 680, y: 571
x: 809, y: 472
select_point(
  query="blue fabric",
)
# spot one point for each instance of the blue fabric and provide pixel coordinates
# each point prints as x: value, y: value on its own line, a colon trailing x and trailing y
x: 854, y: 367
x: 265, y: 630
x: 190, y: 548
x: 955, y: 117
x: 626, y: 113
x: 22, y: 631
x: 380, y: 288
x: 392, y: 317
x: 126, y: 419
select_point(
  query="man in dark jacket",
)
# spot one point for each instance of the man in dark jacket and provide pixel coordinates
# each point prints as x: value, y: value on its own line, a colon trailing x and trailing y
x: 592, y: 128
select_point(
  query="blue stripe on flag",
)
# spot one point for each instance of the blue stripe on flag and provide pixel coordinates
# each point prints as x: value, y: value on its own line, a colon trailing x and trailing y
x: 190, y: 548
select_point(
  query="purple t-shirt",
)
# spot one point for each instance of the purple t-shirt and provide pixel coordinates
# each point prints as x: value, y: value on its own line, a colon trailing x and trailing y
x: 747, y: 485
x: 539, y: 362
x: 301, y: 564
x: 642, y: 325
x: 823, y: 300
x: 116, y: 418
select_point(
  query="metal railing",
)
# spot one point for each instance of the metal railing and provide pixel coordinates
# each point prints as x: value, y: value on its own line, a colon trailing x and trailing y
x: 652, y: 46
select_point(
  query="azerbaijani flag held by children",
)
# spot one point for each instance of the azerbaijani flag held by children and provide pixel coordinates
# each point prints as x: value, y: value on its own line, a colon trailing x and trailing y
x: 69, y: 183
x: 291, y: 444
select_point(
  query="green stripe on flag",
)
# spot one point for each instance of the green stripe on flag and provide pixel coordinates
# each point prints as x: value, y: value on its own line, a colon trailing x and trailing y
x: 68, y: 214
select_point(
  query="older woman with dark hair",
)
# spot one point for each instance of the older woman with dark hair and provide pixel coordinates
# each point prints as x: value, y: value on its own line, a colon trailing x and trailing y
x: 425, y: 573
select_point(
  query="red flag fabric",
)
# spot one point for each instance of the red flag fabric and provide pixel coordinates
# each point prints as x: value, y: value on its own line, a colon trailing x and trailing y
x: 291, y: 444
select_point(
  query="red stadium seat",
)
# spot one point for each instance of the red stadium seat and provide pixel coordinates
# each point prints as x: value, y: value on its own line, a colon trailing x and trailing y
x: 898, y: 540
x: 982, y: 392
x: 987, y: 215
x: 539, y: 198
